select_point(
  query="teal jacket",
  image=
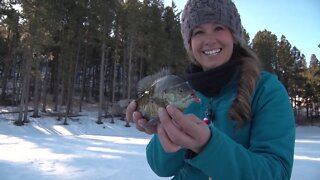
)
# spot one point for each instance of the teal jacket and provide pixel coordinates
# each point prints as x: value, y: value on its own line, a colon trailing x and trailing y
x: 262, y: 149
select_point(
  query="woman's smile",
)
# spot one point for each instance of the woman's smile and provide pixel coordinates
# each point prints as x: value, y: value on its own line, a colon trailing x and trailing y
x: 211, y: 45
x: 212, y: 52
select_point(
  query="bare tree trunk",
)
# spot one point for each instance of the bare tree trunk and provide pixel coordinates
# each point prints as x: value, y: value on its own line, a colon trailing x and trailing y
x: 140, y: 68
x: 23, y: 110
x: 26, y: 104
x: 37, y: 89
x: 84, y: 77
x: 5, y: 76
x: 91, y: 83
x: 68, y: 102
x: 75, y: 71
x: 44, y: 96
x: 60, y: 100
x: 15, y: 80
x: 114, y: 70
x: 307, y: 107
x: 57, y: 81
x: 101, y: 95
x: 8, y: 62
x: 72, y: 81
x: 124, y: 75
x: 129, y: 69
x: 60, y: 90
x: 45, y: 86
x: 23, y: 80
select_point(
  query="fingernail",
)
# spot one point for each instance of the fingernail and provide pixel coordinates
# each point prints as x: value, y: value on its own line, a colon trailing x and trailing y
x: 141, y: 124
x: 134, y: 115
x: 170, y: 109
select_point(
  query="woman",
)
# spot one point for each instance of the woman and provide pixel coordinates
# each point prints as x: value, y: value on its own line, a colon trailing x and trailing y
x: 251, y: 130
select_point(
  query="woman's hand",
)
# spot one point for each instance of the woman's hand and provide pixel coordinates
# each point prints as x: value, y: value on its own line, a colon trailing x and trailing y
x: 178, y: 130
x: 132, y: 115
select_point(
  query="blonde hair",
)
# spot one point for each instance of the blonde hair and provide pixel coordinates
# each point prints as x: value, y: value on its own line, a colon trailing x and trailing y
x: 249, y: 70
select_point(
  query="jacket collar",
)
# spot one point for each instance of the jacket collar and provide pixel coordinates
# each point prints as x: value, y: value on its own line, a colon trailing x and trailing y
x: 211, y: 82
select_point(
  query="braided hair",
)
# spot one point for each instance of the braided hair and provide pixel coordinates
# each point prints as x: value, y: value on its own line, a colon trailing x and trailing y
x: 249, y: 70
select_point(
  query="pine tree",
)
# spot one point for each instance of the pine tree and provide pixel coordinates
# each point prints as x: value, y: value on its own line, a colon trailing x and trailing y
x: 313, y: 94
x: 10, y: 47
x: 175, y: 55
x: 286, y: 62
x: 314, y: 62
x: 246, y: 38
x: 298, y: 80
x: 265, y: 45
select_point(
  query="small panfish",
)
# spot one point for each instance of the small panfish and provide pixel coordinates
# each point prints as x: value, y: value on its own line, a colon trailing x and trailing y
x: 160, y: 90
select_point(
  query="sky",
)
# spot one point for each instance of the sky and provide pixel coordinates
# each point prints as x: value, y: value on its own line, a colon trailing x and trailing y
x: 297, y: 20
x: 46, y: 150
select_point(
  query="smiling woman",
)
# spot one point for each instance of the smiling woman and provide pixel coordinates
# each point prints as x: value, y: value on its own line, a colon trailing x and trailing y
x: 211, y: 45
x: 244, y: 121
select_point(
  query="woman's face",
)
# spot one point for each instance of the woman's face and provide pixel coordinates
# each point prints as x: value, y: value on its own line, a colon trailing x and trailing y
x: 211, y: 45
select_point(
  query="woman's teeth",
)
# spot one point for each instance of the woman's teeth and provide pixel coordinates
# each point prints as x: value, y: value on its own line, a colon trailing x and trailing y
x: 212, y: 52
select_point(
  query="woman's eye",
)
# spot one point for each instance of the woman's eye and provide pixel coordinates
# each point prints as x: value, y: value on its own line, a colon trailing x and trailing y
x: 197, y: 32
x: 219, y: 28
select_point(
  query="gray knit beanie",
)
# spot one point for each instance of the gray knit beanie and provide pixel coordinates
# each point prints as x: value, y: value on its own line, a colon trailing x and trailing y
x: 197, y: 12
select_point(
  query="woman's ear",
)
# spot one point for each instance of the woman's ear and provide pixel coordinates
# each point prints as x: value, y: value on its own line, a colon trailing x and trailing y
x: 236, y: 40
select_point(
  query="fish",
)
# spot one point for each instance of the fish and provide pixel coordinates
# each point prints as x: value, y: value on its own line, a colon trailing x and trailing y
x: 160, y: 90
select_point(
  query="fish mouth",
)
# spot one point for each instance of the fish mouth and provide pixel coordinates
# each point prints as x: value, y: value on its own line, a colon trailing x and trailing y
x: 194, y: 96
x: 190, y: 98
x: 185, y: 101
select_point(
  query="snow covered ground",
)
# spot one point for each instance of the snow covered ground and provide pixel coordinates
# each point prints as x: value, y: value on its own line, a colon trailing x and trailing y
x: 307, y: 154
x: 46, y: 150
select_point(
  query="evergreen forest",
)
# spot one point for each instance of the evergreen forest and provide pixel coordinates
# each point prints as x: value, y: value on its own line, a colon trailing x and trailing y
x: 56, y: 56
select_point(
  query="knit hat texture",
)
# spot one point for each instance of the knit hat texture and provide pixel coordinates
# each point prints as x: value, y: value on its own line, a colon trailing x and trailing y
x: 197, y: 12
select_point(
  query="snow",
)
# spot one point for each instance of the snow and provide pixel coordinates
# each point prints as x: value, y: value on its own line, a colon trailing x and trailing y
x: 307, y: 153
x: 44, y: 149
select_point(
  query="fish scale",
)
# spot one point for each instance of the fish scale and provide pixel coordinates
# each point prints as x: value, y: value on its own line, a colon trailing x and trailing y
x: 161, y: 90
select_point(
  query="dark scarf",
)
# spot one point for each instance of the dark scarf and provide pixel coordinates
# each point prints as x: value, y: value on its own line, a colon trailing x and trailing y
x: 212, y: 81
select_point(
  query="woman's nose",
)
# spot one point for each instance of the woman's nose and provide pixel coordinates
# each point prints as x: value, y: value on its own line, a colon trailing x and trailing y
x: 210, y: 39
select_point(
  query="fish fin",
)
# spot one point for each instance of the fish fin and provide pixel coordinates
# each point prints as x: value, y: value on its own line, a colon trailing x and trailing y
x: 144, y: 86
x: 146, y: 83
